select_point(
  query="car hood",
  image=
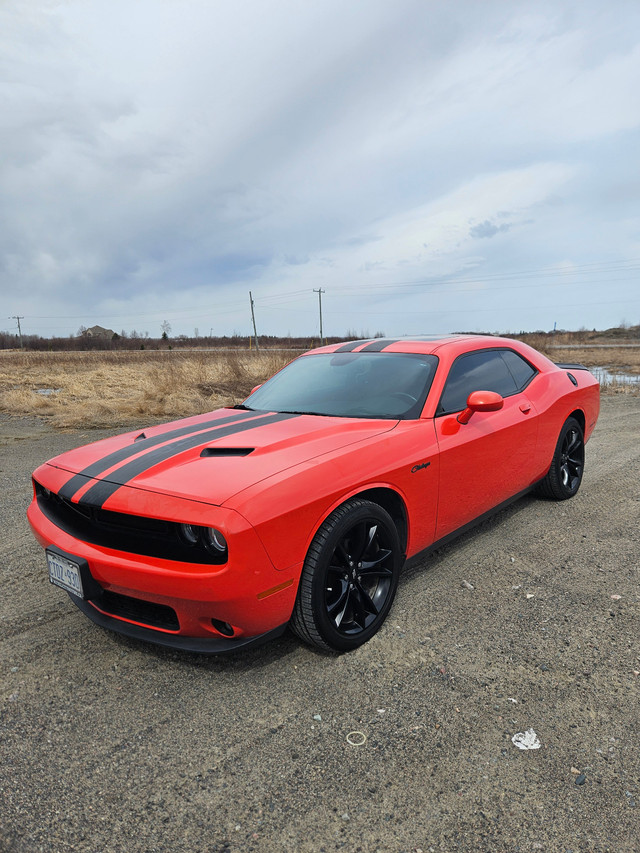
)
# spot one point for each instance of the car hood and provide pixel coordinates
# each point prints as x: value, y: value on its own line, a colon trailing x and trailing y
x: 209, y: 458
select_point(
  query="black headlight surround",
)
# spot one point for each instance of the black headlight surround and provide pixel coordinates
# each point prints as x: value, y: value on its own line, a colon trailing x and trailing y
x: 133, y: 534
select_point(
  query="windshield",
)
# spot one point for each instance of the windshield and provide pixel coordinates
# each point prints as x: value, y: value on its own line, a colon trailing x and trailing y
x: 350, y: 385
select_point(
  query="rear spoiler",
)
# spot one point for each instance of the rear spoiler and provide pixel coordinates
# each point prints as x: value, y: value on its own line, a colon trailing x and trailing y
x: 571, y: 366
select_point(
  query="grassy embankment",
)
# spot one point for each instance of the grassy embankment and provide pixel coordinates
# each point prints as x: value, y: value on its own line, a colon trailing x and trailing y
x: 104, y: 389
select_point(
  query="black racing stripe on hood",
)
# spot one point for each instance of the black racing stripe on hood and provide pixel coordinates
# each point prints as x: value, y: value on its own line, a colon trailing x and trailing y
x: 379, y: 345
x: 351, y: 346
x: 103, y: 489
x: 139, y: 446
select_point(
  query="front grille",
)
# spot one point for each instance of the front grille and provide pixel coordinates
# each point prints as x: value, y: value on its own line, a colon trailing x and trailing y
x: 137, y: 610
x: 133, y: 534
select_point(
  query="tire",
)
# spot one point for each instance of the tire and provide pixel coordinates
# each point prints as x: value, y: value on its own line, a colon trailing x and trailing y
x: 349, y: 578
x: 567, y: 466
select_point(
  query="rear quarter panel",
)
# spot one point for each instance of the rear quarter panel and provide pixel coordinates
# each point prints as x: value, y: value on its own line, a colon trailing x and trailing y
x: 556, y: 398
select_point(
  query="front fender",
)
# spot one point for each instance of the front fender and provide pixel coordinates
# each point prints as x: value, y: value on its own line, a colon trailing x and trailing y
x: 287, y: 510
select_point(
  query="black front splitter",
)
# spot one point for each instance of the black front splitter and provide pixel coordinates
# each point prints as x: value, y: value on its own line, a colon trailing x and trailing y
x: 201, y: 645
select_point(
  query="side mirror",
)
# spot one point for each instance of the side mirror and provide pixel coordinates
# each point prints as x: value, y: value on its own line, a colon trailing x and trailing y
x: 255, y: 389
x: 481, y: 401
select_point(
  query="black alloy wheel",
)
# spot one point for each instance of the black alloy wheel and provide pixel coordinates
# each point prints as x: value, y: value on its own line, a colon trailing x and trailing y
x: 567, y: 467
x: 349, y: 578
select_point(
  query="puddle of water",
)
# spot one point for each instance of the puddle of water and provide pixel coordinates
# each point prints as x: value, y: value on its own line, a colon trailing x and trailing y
x: 46, y: 392
x: 606, y: 377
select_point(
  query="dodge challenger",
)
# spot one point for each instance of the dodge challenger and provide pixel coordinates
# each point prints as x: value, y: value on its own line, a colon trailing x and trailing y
x: 300, y: 506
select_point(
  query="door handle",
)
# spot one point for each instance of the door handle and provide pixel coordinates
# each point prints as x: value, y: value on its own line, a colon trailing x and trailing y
x: 525, y: 408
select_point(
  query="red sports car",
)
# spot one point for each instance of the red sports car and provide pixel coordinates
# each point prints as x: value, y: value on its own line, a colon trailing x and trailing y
x: 299, y: 507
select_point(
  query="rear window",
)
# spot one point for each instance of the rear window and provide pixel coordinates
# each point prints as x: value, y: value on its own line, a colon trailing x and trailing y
x: 519, y: 368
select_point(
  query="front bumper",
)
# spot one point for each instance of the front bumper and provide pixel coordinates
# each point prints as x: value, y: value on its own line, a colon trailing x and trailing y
x: 216, y: 608
x: 201, y: 645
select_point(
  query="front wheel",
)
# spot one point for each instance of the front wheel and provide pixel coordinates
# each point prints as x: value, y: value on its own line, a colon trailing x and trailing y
x: 349, y: 578
x: 565, y: 474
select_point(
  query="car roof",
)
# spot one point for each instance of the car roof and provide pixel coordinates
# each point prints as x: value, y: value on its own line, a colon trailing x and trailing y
x: 422, y: 344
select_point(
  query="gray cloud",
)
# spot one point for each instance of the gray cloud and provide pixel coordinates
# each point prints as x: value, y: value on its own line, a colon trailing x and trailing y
x: 163, y: 159
x: 488, y: 229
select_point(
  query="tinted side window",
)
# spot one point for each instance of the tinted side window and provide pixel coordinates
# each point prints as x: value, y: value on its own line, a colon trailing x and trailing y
x: 484, y: 370
x: 520, y: 369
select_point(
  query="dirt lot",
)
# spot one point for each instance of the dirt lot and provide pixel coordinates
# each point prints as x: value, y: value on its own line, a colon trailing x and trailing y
x: 110, y: 745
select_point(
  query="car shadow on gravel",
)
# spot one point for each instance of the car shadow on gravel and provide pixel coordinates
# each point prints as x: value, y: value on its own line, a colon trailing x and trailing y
x: 431, y: 558
x: 241, y: 661
x: 250, y: 659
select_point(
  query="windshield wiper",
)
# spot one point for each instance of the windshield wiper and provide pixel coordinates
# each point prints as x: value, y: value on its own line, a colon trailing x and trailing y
x: 242, y: 406
x: 292, y: 412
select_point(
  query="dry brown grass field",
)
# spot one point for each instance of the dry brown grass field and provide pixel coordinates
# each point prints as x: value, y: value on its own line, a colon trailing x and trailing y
x: 615, y: 359
x: 104, y: 389
x: 618, y: 357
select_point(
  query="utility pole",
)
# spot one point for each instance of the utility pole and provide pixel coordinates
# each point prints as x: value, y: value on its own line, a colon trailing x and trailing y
x: 253, y: 318
x: 320, y: 291
x: 21, y: 317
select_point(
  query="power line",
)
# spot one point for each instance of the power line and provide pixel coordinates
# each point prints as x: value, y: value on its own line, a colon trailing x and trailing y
x: 491, y: 308
x: 297, y: 295
x: 601, y: 272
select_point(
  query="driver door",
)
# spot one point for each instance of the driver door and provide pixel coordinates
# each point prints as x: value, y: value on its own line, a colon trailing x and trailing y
x: 491, y: 458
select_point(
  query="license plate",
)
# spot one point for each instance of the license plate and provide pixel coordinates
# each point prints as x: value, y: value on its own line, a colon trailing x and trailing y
x: 65, y: 573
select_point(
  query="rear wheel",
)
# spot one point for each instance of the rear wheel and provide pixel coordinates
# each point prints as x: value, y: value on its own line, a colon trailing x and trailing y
x: 349, y: 577
x: 565, y: 474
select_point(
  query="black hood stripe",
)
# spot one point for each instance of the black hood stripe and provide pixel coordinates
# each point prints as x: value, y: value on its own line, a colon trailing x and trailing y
x: 379, y: 345
x: 99, y: 493
x: 351, y: 346
x: 139, y: 446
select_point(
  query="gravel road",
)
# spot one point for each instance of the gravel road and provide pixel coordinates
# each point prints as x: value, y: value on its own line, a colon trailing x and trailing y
x: 528, y: 622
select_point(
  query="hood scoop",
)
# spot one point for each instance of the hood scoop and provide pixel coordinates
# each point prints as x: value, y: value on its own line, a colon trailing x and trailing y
x: 227, y: 451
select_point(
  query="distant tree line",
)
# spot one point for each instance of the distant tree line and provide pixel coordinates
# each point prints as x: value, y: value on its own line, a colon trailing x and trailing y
x: 141, y: 341
x: 135, y: 340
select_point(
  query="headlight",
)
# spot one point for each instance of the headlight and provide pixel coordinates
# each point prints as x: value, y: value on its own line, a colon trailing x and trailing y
x: 205, y: 544
x: 213, y: 540
x: 190, y: 534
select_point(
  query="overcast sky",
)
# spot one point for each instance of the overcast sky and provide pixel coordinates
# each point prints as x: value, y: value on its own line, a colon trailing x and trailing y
x: 432, y: 166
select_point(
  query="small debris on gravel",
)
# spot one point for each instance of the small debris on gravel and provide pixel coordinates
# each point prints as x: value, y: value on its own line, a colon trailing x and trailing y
x: 526, y: 740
